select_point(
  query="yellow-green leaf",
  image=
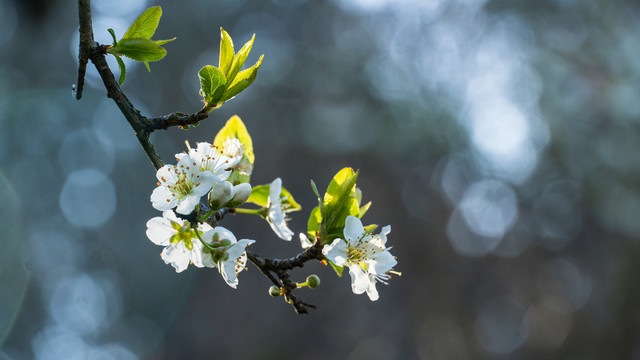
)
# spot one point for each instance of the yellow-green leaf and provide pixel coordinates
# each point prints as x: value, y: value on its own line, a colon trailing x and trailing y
x: 212, y: 83
x: 242, y: 80
x: 139, y: 49
x: 226, y: 52
x: 234, y: 128
x: 239, y: 58
x: 145, y: 25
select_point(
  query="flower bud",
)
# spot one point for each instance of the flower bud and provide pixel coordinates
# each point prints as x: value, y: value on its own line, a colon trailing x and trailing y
x: 220, y: 195
x: 241, y: 194
x: 274, y: 291
x: 313, y: 281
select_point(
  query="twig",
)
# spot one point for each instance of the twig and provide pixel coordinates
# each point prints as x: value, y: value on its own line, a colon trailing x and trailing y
x: 143, y: 127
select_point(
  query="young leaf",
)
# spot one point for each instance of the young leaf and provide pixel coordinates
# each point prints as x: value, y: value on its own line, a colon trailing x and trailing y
x: 239, y: 59
x: 123, y: 70
x: 212, y: 83
x: 336, y: 268
x: 139, y: 49
x: 226, y: 51
x: 162, y: 42
x: 260, y: 196
x: 242, y: 80
x: 113, y: 35
x: 313, y: 224
x: 339, y: 202
x: 234, y: 128
x: 145, y: 25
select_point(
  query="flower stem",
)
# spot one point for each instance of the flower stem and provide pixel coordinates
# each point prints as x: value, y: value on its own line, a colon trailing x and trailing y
x: 251, y: 211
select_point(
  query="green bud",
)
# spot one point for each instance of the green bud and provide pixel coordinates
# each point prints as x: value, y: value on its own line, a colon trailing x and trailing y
x: 225, y: 242
x: 313, y: 281
x: 274, y: 291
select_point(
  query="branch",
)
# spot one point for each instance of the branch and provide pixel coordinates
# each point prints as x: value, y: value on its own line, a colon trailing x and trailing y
x: 281, y: 267
x: 274, y: 269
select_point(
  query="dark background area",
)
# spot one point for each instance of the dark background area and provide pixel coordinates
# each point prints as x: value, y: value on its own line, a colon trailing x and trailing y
x: 499, y: 139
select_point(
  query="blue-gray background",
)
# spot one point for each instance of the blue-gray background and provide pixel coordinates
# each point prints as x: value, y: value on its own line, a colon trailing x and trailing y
x: 498, y: 138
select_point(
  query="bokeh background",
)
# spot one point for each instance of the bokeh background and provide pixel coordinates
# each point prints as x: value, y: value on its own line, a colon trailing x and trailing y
x: 498, y: 138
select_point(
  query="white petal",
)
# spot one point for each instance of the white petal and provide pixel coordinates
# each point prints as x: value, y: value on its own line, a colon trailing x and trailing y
x: 384, y: 262
x: 304, y: 241
x: 238, y: 248
x: 159, y: 231
x: 241, y: 192
x: 163, y: 199
x: 204, y: 181
x: 177, y: 255
x: 187, y: 204
x: 222, y: 234
x: 353, y: 229
x: 372, y: 292
x: 279, y: 225
x: 336, y: 252
x: 275, y: 189
x: 228, y: 271
x: 360, y: 280
x: 196, y: 254
x: 165, y: 175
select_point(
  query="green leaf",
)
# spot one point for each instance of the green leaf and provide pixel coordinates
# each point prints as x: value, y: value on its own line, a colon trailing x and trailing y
x: 162, y: 42
x: 336, y: 268
x: 260, y: 196
x: 313, y: 224
x: 145, y: 25
x: 234, y: 128
x: 139, y: 49
x: 226, y: 52
x: 212, y: 83
x: 339, y: 202
x: 242, y: 80
x: 239, y: 59
x: 123, y: 69
x: 363, y: 210
x: 113, y: 35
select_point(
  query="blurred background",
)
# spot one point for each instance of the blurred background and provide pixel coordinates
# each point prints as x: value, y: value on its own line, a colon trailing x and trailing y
x: 498, y: 139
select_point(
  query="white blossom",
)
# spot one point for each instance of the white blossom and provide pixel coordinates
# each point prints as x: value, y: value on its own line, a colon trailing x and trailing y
x: 181, y: 243
x: 181, y: 186
x: 230, y: 257
x: 209, y: 159
x: 275, y: 214
x: 365, y: 255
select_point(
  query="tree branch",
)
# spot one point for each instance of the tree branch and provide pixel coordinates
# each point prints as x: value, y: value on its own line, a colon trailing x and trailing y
x: 143, y: 127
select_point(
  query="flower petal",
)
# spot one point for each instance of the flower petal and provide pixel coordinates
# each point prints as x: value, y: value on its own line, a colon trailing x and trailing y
x: 165, y: 175
x: 360, y: 280
x: 336, y: 252
x: 187, y: 204
x: 353, y: 229
x: 159, y: 231
x: 177, y: 255
x: 372, y: 292
x: 238, y: 248
x: 384, y: 262
x: 163, y: 199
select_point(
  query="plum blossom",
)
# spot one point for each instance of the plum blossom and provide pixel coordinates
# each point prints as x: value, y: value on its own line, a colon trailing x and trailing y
x: 229, y: 255
x: 181, y: 243
x: 275, y: 214
x: 209, y: 159
x: 365, y: 255
x: 181, y: 186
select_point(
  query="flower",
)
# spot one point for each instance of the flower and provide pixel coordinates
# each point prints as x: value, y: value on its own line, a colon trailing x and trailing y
x: 181, y: 243
x: 224, y: 194
x: 275, y: 214
x: 365, y: 255
x: 210, y: 160
x: 229, y: 255
x: 181, y: 185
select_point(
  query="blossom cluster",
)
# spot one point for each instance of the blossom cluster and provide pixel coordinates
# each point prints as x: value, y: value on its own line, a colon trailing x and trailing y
x: 202, y: 171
